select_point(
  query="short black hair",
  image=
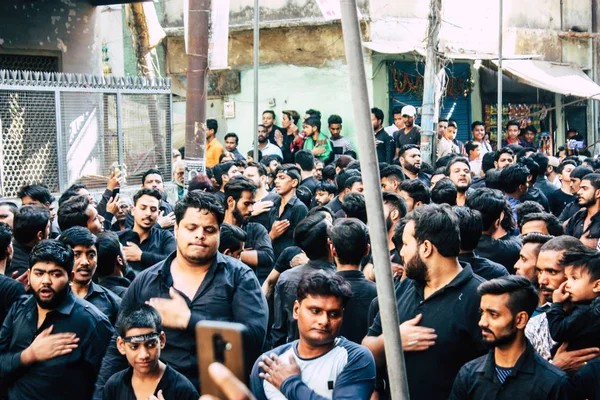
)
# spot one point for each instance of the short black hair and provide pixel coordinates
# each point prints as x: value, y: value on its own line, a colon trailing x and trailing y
x: 471, y: 145
x: 439, y: 225
x: 487, y: 161
x: 444, y: 192
x: 514, y: 176
x: 305, y: 195
x: 444, y: 160
x: 78, y: 236
x: 490, y: 203
x: 542, y: 161
x: 407, y: 147
x: 377, y: 113
x: 454, y: 160
x: 71, y: 192
x: 222, y: 169
x: 352, y: 180
x: 151, y: 171
x: 334, y: 119
x: 586, y: 259
x: 30, y: 220
x: 396, y: 201
x: 512, y: 123
x: 109, y: 248
x: 311, y: 236
x: 250, y: 153
x: 147, y: 192
x: 476, y: 124
x: 231, y: 238
x: 326, y: 186
x: 581, y: 171
x: 36, y: 192
x: 5, y: 239
x: 532, y: 166
x: 139, y: 315
x: 492, y: 179
x: 393, y: 172
x: 238, y: 185
x: 564, y: 163
x: 354, y: 206
x: 201, y: 201
x: 14, y: 209
x: 323, y: 283
x: 527, y: 207
x: 53, y: 251
x: 350, y: 238
x: 314, y: 121
x: 329, y: 172
x: 522, y: 293
x: 503, y: 150
x: 202, y: 183
x: 262, y: 171
x: 233, y: 135
x: 563, y: 243
x: 553, y: 225
x: 212, y: 124
x: 471, y: 227
x: 269, y: 112
x: 341, y: 178
x: 594, y: 180
x: 305, y: 159
x: 416, y: 190
x: 313, y: 113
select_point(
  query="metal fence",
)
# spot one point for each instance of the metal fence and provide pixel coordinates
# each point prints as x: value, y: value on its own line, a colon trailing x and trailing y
x: 60, y: 129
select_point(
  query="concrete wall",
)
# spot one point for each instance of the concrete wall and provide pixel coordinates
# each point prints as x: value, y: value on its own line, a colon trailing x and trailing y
x: 68, y: 28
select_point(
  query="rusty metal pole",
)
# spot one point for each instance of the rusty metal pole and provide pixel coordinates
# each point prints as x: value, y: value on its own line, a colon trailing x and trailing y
x: 197, y: 78
x: 368, y: 161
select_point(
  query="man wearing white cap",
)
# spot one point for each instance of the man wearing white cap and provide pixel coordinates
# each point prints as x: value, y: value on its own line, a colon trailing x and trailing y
x: 411, y: 133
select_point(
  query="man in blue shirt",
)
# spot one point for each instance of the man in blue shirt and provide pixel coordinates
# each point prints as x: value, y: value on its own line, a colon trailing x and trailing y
x: 320, y: 364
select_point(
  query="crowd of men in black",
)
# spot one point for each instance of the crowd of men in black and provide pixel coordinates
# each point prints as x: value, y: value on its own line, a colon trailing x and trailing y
x: 497, y: 275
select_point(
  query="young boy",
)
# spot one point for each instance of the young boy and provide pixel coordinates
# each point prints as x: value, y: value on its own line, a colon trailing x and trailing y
x: 141, y: 339
x: 575, y: 314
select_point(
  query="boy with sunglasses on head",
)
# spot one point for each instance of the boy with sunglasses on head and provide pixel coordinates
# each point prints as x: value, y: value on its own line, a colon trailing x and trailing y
x: 140, y: 340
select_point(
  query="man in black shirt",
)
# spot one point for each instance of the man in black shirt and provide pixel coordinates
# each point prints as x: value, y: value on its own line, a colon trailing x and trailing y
x: 563, y: 195
x: 470, y: 233
x: 305, y: 160
x: 544, y: 223
x: 40, y: 195
x: 311, y: 237
x: 78, y: 211
x: 585, y: 225
x: 51, y: 343
x: 512, y: 369
x: 288, y: 210
x: 411, y: 133
x: 10, y: 289
x: 83, y: 244
x: 258, y: 250
x: 194, y: 283
x: 257, y: 173
x: 349, y: 244
x: 409, y: 157
x: 141, y: 340
x: 223, y: 173
x: 335, y: 205
x: 112, y: 264
x: 496, y: 243
x: 32, y: 225
x: 575, y: 177
x: 438, y: 305
x: 146, y: 245
x: 383, y: 141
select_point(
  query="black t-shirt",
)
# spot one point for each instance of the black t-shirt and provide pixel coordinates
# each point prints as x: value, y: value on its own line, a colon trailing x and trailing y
x: 173, y: 386
x: 558, y: 200
x: 285, y: 258
x: 413, y: 136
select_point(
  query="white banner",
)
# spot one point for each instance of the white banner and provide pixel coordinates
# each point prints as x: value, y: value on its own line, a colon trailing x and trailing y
x: 331, y: 9
x: 218, y: 37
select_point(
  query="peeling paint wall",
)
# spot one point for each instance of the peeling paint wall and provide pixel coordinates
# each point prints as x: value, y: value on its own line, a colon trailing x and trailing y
x: 68, y: 28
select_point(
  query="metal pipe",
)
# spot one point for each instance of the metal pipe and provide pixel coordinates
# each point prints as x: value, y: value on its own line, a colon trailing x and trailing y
x: 121, y: 142
x: 59, y: 142
x: 256, y: 65
x: 374, y: 201
x: 499, y: 116
x: 195, y: 112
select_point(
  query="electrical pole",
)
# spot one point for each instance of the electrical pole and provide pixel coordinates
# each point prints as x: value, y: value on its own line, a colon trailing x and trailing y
x: 197, y: 78
x: 256, y: 64
x: 431, y: 84
x: 368, y: 160
x: 499, y: 116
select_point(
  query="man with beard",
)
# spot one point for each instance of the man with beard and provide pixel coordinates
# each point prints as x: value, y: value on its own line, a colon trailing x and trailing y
x: 112, y: 264
x: 264, y: 145
x: 383, y: 141
x: 258, y: 250
x: 409, y: 157
x: 438, y: 304
x: 459, y: 172
x: 585, y: 224
x: 320, y: 364
x: 145, y: 244
x: 507, y: 304
x: 257, y: 173
x: 85, y: 253
x: 316, y: 142
x: 411, y: 133
x: 526, y: 266
x: 51, y: 343
x: 391, y: 178
x: 193, y: 284
x: 504, y: 157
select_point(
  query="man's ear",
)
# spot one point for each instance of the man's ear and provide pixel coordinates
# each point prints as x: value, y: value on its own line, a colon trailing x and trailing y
x: 296, y: 309
x: 40, y: 236
x: 496, y: 164
x: 596, y: 287
x: 521, y: 320
x: 163, y: 340
x: 121, y: 345
x: 230, y: 202
x: 228, y: 252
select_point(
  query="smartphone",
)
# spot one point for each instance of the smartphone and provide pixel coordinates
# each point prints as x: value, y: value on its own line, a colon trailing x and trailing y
x: 221, y: 342
x: 115, y: 192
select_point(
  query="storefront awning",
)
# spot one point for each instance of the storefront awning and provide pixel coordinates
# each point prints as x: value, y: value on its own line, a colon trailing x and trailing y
x: 566, y: 79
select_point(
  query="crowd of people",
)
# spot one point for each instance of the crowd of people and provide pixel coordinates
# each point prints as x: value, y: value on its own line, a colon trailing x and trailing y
x: 494, y: 253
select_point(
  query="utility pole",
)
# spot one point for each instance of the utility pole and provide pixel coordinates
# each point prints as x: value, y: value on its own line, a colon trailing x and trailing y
x: 499, y: 116
x: 368, y: 160
x: 431, y: 84
x: 197, y: 78
x: 256, y: 64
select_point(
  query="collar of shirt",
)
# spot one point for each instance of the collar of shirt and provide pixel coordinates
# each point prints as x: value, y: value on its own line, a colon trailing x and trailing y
x: 66, y: 306
x: 459, y: 280
x: 352, y: 274
x: 525, y: 363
